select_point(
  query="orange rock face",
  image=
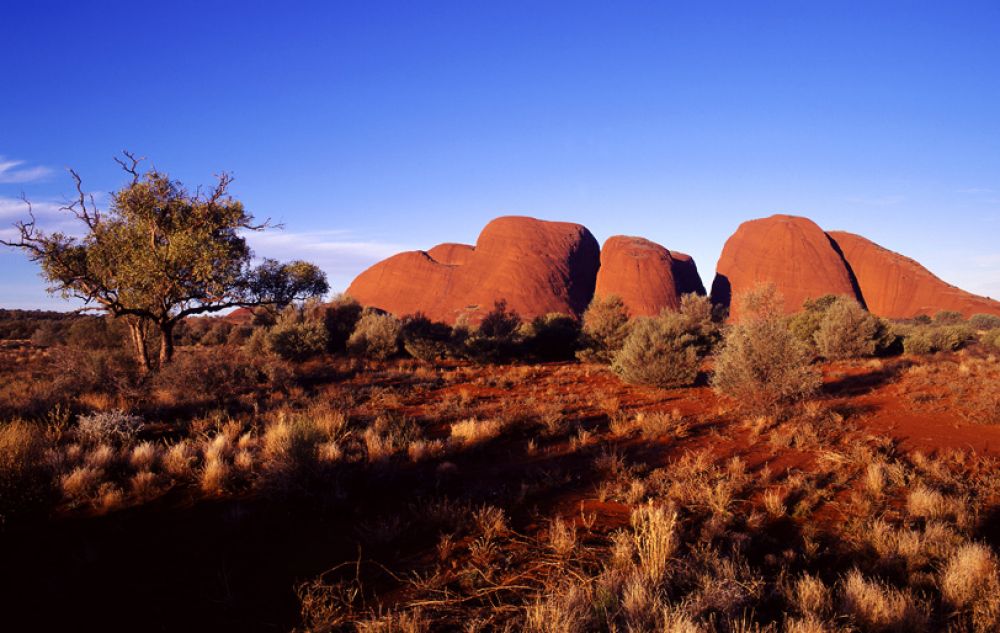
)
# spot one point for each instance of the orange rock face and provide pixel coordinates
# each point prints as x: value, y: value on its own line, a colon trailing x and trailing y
x: 536, y: 266
x: 897, y: 287
x: 791, y: 252
x: 647, y: 277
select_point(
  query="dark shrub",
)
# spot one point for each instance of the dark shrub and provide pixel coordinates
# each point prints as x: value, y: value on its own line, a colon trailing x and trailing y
x: 340, y: 316
x: 496, y: 339
x: 424, y: 339
x: 551, y: 337
x: 203, y: 376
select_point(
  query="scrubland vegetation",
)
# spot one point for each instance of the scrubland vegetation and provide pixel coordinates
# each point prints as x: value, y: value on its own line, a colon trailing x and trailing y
x: 327, y: 467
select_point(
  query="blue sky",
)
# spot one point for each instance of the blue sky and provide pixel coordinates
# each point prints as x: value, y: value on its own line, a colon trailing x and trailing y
x: 372, y: 127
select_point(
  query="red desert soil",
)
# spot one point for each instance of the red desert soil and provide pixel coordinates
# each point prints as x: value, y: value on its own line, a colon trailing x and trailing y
x: 645, y: 275
x: 235, y: 561
x: 791, y: 252
x: 898, y: 287
x: 536, y: 266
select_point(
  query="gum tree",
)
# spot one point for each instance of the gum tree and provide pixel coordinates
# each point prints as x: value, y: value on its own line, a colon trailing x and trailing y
x: 161, y: 253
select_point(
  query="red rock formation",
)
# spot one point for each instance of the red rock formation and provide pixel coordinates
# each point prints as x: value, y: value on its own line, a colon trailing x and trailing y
x: 791, y: 252
x: 897, y: 287
x: 454, y: 254
x: 536, y: 266
x: 686, y: 276
x: 646, y: 276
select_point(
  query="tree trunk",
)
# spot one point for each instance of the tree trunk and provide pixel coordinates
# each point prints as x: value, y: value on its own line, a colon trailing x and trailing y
x: 166, y: 343
x: 135, y: 328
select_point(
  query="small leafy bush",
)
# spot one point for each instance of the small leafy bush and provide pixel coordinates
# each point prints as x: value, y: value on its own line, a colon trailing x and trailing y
x: 298, y: 335
x: 605, y: 326
x: 846, y: 330
x: 666, y: 351
x: 948, y: 317
x: 761, y: 363
x: 376, y: 335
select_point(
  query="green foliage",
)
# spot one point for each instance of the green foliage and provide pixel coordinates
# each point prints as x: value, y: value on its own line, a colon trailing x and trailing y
x: 424, y: 339
x: 605, y: 326
x: 161, y: 253
x: 496, y: 339
x: 761, y: 363
x: 806, y: 323
x: 847, y: 330
x: 376, y: 335
x: 298, y: 334
x: 666, y: 351
x: 551, y: 337
x: 929, y: 338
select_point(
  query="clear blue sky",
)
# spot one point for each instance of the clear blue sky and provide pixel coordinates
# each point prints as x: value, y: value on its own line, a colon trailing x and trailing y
x: 370, y: 127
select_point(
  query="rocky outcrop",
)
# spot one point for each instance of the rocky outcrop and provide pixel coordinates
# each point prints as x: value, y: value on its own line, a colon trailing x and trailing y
x: 646, y: 276
x: 897, y: 287
x: 791, y: 252
x: 686, y: 276
x: 536, y: 266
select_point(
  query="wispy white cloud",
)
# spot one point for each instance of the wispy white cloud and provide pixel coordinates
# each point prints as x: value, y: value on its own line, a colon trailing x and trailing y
x: 17, y: 171
x: 877, y: 201
x: 342, y: 254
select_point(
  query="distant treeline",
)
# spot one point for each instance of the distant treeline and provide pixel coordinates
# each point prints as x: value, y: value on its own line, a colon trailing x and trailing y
x: 48, y: 328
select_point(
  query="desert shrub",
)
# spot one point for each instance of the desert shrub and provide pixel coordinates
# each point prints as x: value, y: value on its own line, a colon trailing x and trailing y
x: 554, y: 336
x: 108, y: 427
x: 340, y: 316
x: 26, y: 483
x: 112, y: 371
x: 761, y: 364
x: 984, y: 322
x: 376, y: 335
x: 665, y: 351
x: 217, y: 333
x: 948, y: 317
x: 604, y: 328
x: 805, y: 324
x: 496, y: 339
x: 206, y: 376
x: 847, y: 330
x: 297, y: 335
x: 991, y: 339
x: 424, y: 339
x: 926, y: 339
x: 970, y: 582
x: 918, y: 341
